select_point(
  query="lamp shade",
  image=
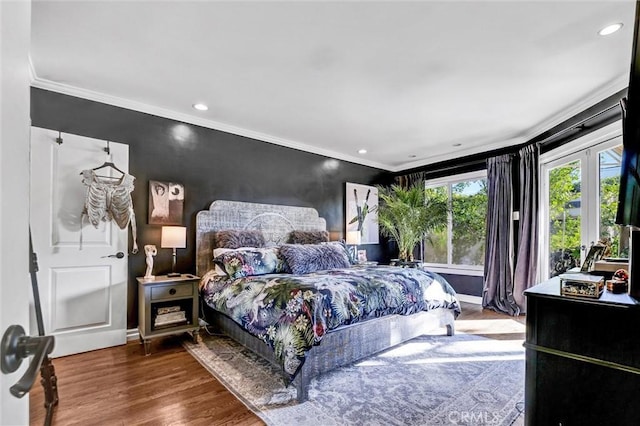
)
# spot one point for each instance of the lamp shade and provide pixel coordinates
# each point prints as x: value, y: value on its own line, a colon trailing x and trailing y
x: 173, y: 237
x: 353, y: 237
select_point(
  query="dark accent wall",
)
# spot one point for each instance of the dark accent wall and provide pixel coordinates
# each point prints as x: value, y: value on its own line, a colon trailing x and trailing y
x: 465, y: 284
x: 212, y: 165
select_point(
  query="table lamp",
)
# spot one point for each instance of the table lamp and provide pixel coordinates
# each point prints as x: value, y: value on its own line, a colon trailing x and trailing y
x: 173, y: 237
x: 353, y: 239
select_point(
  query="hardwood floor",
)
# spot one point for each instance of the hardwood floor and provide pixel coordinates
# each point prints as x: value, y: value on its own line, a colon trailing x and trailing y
x: 487, y: 323
x: 121, y: 386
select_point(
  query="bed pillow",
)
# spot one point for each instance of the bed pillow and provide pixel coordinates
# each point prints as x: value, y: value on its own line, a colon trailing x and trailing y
x: 308, y: 237
x: 248, y: 262
x: 218, y: 251
x: 306, y: 258
x: 234, y: 239
x: 343, y: 245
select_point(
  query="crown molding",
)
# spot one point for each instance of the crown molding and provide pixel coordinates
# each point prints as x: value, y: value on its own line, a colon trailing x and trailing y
x: 614, y: 86
x: 604, y: 92
x: 66, y: 89
x: 463, y: 152
x: 617, y: 84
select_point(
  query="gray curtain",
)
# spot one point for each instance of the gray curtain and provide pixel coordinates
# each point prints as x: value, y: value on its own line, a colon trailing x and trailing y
x: 526, y: 272
x: 406, y: 181
x: 497, y: 292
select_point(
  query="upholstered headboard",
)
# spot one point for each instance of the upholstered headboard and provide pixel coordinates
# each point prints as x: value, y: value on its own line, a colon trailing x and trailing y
x: 275, y: 222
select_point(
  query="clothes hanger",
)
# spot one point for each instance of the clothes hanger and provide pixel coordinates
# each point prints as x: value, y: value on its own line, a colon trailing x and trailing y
x: 108, y: 163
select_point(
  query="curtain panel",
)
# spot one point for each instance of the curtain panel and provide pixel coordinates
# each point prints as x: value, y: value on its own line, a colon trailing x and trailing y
x: 406, y: 181
x: 526, y: 272
x: 497, y: 291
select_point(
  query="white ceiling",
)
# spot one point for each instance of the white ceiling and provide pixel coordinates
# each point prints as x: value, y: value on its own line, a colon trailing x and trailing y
x: 401, y: 79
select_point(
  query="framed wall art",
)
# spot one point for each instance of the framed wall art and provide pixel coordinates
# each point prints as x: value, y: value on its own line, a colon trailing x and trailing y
x: 595, y: 253
x: 362, y: 212
x: 166, y: 203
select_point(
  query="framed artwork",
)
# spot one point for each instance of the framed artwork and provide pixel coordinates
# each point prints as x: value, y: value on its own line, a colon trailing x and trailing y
x: 595, y: 253
x: 166, y: 203
x: 362, y: 212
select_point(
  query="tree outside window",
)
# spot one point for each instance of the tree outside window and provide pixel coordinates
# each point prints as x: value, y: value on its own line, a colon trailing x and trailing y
x: 463, y: 242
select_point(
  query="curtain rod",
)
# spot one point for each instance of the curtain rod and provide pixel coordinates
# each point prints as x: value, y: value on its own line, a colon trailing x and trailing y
x: 578, y: 126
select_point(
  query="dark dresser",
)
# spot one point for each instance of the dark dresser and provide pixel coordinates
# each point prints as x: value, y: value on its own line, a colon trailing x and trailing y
x: 582, y: 359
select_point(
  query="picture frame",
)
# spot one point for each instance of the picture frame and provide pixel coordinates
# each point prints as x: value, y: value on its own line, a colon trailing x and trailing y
x: 362, y: 256
x: 361, y: 203
x: 166, y: 203
x: 595, y: 253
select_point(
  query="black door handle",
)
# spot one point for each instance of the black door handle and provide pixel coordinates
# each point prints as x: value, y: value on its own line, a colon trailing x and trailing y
x: 17, y: 346
x: 118, y: 255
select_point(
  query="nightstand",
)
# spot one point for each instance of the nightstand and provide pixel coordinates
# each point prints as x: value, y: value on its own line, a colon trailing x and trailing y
x: 167, y: 305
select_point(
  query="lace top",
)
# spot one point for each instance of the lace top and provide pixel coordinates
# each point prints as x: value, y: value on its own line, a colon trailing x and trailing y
x: 109, y: 199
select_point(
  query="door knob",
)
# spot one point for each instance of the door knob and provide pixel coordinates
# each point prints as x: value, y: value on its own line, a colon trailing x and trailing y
x: 17, y: 346
x: 118, y: 255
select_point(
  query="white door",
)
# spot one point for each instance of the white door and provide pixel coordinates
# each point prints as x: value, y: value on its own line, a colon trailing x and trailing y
x: 15, y: 29
x: 82, y: 290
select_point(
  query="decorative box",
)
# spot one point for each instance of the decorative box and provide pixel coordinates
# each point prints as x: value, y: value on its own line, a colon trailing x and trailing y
x: 617, y: 286
x: 619, y: 283
x: 581, y: 285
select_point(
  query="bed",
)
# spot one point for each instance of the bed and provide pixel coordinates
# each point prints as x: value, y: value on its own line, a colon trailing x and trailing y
x: 331, y: 342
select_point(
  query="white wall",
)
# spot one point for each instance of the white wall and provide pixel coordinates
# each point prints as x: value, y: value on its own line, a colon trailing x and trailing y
x: 15, y: 287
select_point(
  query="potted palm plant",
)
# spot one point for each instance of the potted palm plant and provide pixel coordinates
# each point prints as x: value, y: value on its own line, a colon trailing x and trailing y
x: 407, y: 215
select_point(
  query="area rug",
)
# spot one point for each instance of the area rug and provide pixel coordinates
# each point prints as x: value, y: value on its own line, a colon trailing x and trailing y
x: 430, y: 380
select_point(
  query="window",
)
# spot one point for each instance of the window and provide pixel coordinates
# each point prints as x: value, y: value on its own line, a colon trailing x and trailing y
x: 580, y: 199
x: 460, y: 247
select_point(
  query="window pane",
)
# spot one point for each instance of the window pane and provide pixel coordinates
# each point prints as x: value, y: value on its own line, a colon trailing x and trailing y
x: 564, y: 217
x: 435, y: 246
x: 469, y: 212
x: 609, y: 163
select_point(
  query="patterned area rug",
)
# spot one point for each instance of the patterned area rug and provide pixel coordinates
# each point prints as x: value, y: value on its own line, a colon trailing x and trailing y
x: 430, y: 380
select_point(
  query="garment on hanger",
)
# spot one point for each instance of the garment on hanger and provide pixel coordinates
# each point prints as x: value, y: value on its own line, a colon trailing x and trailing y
x: 108, y: 199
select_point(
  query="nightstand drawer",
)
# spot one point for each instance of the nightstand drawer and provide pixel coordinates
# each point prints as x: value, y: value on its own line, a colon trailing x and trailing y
x: 171, y: 291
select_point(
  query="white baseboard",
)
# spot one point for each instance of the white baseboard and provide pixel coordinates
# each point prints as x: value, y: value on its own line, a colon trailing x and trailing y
x: 133, y: 334
x: 476, y: 300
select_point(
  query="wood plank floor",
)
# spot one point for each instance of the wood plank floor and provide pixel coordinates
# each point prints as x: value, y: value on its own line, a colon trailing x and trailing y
x: 121, y: 386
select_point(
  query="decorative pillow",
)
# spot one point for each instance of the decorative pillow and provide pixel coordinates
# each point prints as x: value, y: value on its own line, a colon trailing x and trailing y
x: 234, y: 239
x: 218, y: 251
x: 245, y: 263
x: 305, y: 258
x: 308, y: 237
x: 343, y: 245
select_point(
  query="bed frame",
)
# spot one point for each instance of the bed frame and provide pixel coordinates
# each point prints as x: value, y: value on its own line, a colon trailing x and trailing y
x: 339, y: 347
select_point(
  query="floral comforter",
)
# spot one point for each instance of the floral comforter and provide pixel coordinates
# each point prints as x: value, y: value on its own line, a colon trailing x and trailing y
x: 291, y: 313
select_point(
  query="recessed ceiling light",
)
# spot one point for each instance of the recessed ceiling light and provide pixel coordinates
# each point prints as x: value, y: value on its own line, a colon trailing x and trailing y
x: 610, y: 29
x: 457, y: 144
x: 412, y: 156
x: 200, y: 107
x: 362, y: 151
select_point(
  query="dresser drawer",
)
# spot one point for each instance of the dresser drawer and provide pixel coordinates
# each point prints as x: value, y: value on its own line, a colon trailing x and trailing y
x: 171, y: 291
